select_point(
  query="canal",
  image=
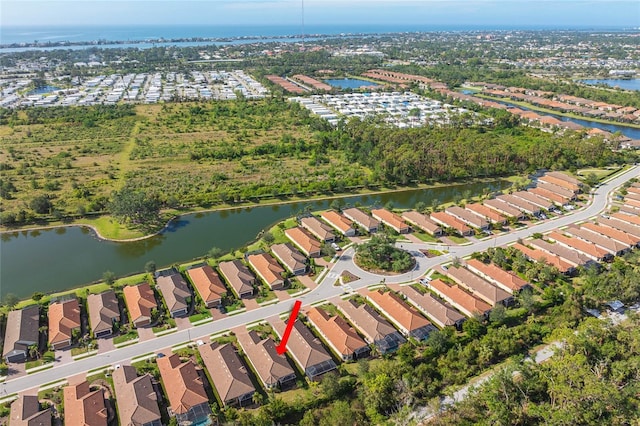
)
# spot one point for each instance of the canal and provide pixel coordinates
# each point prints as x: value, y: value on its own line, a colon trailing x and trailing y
x: 62, y: 258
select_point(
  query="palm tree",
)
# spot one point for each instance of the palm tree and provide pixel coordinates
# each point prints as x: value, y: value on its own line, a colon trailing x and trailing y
x: 33, y: 351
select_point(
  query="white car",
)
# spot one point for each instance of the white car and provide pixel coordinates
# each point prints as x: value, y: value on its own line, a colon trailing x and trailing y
x: 336, y: 247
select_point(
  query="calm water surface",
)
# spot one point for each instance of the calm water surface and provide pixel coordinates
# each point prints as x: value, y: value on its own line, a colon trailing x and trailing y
x: 349, y: 83
x: 61, y: 258
x: 633, y: 84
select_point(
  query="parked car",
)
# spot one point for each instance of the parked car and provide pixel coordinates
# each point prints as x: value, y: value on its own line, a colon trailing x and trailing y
x: 336, y: 247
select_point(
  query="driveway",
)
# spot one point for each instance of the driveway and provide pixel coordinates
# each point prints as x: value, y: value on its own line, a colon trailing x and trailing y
x: 307, y: 281
x: 183, y: 323
x: 106, y: 345
x: 250, y: 304
x: 282, y: 295
x: 63, y: 356
x: 145, y: 333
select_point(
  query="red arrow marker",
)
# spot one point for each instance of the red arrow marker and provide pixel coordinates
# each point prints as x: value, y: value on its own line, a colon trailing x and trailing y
x: 282, y: 347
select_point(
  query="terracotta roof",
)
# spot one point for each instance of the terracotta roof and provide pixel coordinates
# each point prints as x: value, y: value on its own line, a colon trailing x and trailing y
x: 450, y: 221
x: 267, y: 268
x: 338, y: 221
x: 83, y: 407
x: 63, y: 318
x: 478, y: 286
x: 304, y: 240
x: 182, y: 384
x: 422, y: 221
x: 556, y: 189
x: 174, y: 290
x: 230, y: 377
x: 467, y: 217
x: 317, y: 228
x: 305, y: 348
x: 632, y: 202
x: 137, y: 399
x: 342, y: 337
x: 437, y: 310
x: 22, y: 330
x: 613, y: 233
x: 502, y: 207
x: 553, y: 196
x: 559, y: 182
x: 632, y: 196
x: 270, y: 367
x: 519, y: 203
x: 612, y: 246
x: 506, y: 280
x: 486, y: 212
x: 367, y: 320
x: 589, y: 249
x: 103, y: 309
x: 140, y: 301
x: 633, y: 190
x: 565, y: 177
x: 238, y: 276
x: 570, y: 255
x: 389, y: 218
x: 534, y: 199
x: 25, y: 411
x: 361, y: 218
x: 539, y: 255
x: 405, y: 316
x: 459, y: 298
x: 630, y: 228
x: 292, y: 259
x: 630, y: 218
x: 207, y: 283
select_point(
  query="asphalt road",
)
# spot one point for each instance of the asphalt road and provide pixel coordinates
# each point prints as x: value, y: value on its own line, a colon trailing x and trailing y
x: 325, y: 290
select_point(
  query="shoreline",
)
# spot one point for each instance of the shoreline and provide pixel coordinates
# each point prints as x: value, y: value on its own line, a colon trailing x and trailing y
x: 96, y: 231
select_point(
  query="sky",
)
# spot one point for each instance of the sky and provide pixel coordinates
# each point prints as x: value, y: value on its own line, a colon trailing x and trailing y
x: 497, y: 13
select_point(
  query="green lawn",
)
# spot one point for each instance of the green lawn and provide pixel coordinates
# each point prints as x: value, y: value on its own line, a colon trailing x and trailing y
x: 131, y: 335
x: 47, y: 357
x: 458, y: 240
x: 199, y: 317
x: 427, y: 238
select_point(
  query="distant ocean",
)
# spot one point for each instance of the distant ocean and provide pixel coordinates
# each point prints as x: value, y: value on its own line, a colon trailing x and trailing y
x: 11, y: 35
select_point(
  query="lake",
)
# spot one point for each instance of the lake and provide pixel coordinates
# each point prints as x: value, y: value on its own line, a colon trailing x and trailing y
x: 43, y: 90
x: 633, y: 84
x: 350, y: 83
x: 61, y: 258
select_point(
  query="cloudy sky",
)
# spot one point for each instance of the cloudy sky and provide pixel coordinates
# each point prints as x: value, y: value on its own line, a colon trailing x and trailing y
x: 550, y: 13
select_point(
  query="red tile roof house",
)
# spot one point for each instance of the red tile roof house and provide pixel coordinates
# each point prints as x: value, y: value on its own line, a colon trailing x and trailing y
x: 423, y: 222
x: 625, y: 238
x: 567, y: 193
x: 239, y: 277
x: 229, y: 375
x: 320, y: 230
x: 565, y: 177
x: 140, y: 301
x: 83, y: 406
x: 306, y: 350
x: 208, y: 284
x: 467, y: 217
x: 339, y: 222
x: 629, y: 209
x: 588, y: 249
x: 361, y: 218
x: 552, y: 196
x: 391, y: 220
x: 176, y: 293
x: 272, y: 369
x: 626, y: 217
x: 463, y: 301
x: 184, y: 388
x: 554, y: 180
x: 519, y: 204
x: 404, y: 316
x: 291, y: 258
x: 375, y: 329
x: 504, y: 208
x: 340, y: 336
x: 64, y: 318
x: 487, y: 213
x: 572, y: 256
x: 622, y: 225
x: 436, y: 309
x: 22, y: 331
x: 480, y: 287
x: 540, y: 256
x: 266, y: 267
x: 304, y: 241
x: 632, y: 196
x: 448, y: 221
x: 508, y: 281
x: 614, y: 247
x: 104, y: 312
x: 530, y: 197
x: 137, y: 398
x: 25, y: 411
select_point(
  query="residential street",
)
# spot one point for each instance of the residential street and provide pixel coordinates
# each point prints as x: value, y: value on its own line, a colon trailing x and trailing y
x: 323, y: 291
